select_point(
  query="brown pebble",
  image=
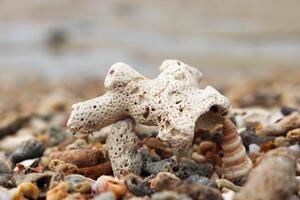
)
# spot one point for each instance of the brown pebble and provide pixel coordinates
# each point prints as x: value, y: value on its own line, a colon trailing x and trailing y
x: 282, y: 126
x: 80, y: 157
x: 267, y: 146
x: 164, y: 181
x: 161, y: 148
x: 96, y: 171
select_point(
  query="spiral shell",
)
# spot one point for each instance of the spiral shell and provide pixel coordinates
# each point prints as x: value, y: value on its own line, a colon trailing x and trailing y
x: 235, y: 162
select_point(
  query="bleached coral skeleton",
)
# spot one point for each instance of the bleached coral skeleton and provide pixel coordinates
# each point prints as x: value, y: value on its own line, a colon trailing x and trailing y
x: 172, y: 101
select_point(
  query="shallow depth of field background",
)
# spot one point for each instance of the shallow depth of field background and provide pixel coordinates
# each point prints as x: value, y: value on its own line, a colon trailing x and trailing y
x: 226, y: 40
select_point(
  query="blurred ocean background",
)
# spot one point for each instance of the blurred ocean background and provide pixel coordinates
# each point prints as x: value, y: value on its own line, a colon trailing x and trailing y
x: 226, y: 40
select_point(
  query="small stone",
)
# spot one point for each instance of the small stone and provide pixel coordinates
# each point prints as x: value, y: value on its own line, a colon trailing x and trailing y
x: 27, y: 150
x: 25, y: 191
x: 58, y: 192
x: 96, y: 171
x: 199, y: 192
x: 163, y: 149
x: 273, y: 179
x: 198, y: 158
x: 250, y: 137
x: 78, y: 144
x: 164, y: 181
x: 166, y: 195
x: 188, y: 167
x: 294, y: 135
x: 108, y: 183
x: 7, y: 180
x: 166, y: 165
x: 80, y: 157
x: 5, y: 167
x: 196, y: 179
x: 137, y: 186
x: 79, y: 183
x: 254, y: 148
x: 57, y: 135
x: 281, y: 142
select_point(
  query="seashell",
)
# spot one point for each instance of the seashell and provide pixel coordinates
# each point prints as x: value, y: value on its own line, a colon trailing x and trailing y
x: 25, y: 191
x: 235, y: 162
x: 27, y: 150
x: 58, y: 192
x: 27, y: 164
x: 108, y: 183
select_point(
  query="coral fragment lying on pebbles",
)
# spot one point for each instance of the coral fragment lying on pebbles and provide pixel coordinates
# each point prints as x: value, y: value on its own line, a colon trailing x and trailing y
x: 170, y: 101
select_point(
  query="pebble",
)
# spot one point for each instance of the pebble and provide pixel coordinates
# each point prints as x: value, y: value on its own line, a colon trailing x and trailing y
x: 58, y: 192
x: 25, y: 191
x: 79, y: 183
x: 196, y: 179
x: 164, y: 181
x: 5, y: 167
x: 27, y: 150
x: 254, y: 148
x: 80, y: 157
x: 57, y: 135
x: 137, y: 186
x: 250, y: 137
x: 105, y: 196
x: 98, y: 170
x: 108, y: 183
x: 188, y: 167
x: 7, y: 180
x: 166, y: 195
x: 273, y: 178
x: 166, y: 165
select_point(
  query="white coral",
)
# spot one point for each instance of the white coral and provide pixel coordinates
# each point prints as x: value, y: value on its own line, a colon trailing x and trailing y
x: 122, y: 150
x: 172, y: 101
